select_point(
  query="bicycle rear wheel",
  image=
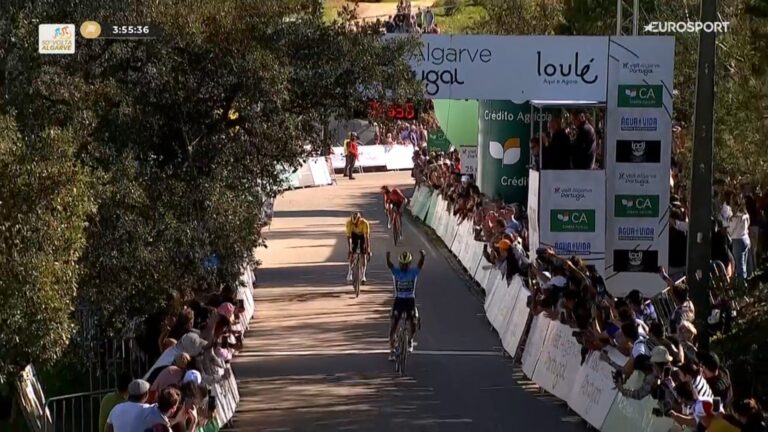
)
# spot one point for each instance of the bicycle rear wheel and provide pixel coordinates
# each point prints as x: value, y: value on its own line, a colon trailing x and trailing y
x: 356, y: 274
x: 403, y: 348
x: 396, y: 230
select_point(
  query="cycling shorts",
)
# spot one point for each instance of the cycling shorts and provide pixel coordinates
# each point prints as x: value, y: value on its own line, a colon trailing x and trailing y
x: 397, y: 205
x: 358, y: 243
x: 404, y: 305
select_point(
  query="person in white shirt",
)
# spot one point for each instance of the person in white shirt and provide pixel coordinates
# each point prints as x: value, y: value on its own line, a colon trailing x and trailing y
x: 123, y: 415
x: 738, y: 230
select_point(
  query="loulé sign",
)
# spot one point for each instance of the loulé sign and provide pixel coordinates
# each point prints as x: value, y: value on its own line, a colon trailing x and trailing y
x: 517, y: 68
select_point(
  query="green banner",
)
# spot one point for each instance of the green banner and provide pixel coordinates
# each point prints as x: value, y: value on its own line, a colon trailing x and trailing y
x: 504, y: 134
x: 437, y: 141
x: 458, y: 119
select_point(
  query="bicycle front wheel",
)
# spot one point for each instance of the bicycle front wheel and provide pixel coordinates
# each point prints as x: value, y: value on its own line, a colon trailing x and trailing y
x: 356, y: 275
x: 403, y: 351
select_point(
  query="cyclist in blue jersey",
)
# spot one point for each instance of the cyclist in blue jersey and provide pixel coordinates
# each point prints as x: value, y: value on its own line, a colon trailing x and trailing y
x: 404, y: 277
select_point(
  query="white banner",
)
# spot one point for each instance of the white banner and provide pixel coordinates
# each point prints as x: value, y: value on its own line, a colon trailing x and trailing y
x: 399, y: 157
x: 593, y: 392
x: 544, y: 67
x: 513, y: 328
x: 533, y: 346
x: 533, y: 213
x: 638, y: 153
x: 392, y: 157
x: 319, y: 169
x: 468, y: 157
x: 559, y: 361
x: 572, y: 214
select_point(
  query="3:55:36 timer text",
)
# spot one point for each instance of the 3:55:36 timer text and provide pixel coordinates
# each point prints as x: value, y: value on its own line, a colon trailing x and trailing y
x: 127, y: 29
x: 392, y: 111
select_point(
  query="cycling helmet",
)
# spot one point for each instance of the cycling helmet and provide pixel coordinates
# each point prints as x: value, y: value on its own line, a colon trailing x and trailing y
x: 406, y: 257
x: 356, y: 216
x: 385, y: 188
x: 353, y: 134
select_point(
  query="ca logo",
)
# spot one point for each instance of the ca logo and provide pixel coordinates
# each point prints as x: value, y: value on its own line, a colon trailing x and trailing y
x: 647, y: 93
x: 509, y: 153
x: 575, y: 217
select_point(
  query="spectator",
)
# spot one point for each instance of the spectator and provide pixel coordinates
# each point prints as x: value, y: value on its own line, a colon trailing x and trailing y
x: 657, y: 338
x: 123, y: 415
x: 643, y: 365
x: 162, y: 413
x: 111, y: 400
x: 642, y: 309
x: 738, y: 231
x: 686, y: 334
x: 691, y: 373
x: 556, y: 152
x: 750, y: 415
x: 719, y: 379
x: 584, y: 146
x: 351, y: 154
x: 700, y: 408
x: 170, y: 376
x: 721, y: 249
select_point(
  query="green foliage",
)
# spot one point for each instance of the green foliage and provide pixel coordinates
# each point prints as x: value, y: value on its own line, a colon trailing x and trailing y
x: 44, y: 200
x: 165, y: 150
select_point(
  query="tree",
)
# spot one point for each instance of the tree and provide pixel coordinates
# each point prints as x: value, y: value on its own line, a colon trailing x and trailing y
x: 44, y: 201
x: 181, y: 136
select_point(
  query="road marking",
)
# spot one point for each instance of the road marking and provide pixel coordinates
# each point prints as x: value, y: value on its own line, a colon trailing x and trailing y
x: 365, y: 352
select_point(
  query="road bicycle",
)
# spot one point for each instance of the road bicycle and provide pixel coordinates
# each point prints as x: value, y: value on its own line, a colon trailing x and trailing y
x: 401, y: 346
x: 357, y: 271
x: 397, y: 233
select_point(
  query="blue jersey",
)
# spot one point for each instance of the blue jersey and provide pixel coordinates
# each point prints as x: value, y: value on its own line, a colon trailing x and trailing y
x: 405, y: 282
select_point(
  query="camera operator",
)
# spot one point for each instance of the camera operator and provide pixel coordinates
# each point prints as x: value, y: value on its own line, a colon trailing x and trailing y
x: 655, y: 368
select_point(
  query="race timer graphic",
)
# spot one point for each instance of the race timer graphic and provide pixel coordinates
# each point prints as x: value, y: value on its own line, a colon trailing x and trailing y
x: 96, y: 30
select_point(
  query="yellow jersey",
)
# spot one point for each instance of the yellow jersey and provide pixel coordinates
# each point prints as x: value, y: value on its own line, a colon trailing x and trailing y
x: 362, y: 227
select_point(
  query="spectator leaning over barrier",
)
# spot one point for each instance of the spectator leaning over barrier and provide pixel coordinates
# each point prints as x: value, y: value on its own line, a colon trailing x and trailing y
x: 112, y: 399
x: 123, y: 415
x: 657, y: 338
x: 701, y: 409
x: 686, y: 335
x: 165, y: 413
x: 719, y: 379
x: 650, y: 384
x: 690, y: 372
x: 170, y: 376
x: 642, y: 308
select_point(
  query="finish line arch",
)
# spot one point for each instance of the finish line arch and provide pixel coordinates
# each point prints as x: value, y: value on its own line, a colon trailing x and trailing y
x: 632, y: 77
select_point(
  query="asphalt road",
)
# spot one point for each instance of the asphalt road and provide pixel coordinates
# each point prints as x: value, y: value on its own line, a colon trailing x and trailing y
x: 315, y: 357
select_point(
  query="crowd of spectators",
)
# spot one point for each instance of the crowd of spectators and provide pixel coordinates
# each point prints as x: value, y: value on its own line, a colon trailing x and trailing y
x: 692, y: 387
x: 197, y: 344
x: 414, y: 134
x: 406, y: 20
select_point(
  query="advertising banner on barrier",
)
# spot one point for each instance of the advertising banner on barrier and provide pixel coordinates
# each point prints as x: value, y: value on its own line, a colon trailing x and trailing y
x: 533, y: 346
x: 593, y: 391
x: 630, y: 415
x: 319, y: 169
x: 559, y: 361
x: 398, y: 157
x: 544, y: 67
x: 638, y: 157
x: 513, y: 328
x: 533, y: 213
x: 572, y: 214
x: 468, y: 156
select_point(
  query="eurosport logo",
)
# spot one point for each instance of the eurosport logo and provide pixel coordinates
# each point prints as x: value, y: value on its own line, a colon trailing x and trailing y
x: 687, y: 27
x: 636, y: 233
x: 639, y: 124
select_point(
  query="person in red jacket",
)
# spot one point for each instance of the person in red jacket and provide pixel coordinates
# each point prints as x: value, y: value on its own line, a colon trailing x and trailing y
x: 351, y: 153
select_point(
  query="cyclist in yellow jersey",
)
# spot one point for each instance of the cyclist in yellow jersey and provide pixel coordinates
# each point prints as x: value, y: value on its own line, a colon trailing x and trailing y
x: 359, y: 240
